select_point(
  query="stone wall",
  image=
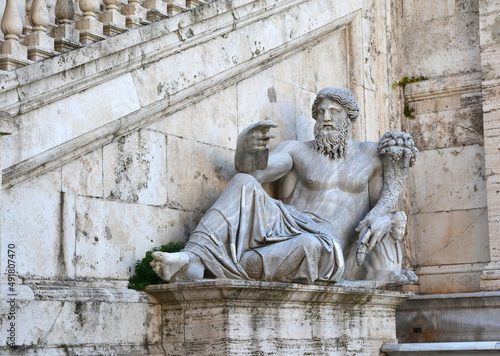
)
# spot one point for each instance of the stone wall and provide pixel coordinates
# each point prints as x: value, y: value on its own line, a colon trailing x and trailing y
x: 448, y: 206
x: 120, y: 146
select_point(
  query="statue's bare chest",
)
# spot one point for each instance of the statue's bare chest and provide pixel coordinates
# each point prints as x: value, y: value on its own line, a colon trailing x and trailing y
x: 316, y: 172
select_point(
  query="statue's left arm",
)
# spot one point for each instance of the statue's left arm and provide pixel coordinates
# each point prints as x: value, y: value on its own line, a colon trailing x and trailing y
x: 397, y: 154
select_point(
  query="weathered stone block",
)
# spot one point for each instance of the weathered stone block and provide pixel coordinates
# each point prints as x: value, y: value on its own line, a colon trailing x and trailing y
x: 442, y: 282
x: 196, y: 186
x: 54, y: 320
x: 317, y: 67
x: 84, y: 175
x: 111, y: 236
x: 453, y: 237
x: 454, y: 47
x: 430, y: 188
x: 446, y: 129
x: 270, y: 98
x: 212, y: 120
x: 135, y: 168
x: 31, y: 221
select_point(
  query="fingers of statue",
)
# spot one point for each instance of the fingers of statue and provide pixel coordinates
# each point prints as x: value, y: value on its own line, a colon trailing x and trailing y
x: 363, y: 223
x: 256, y: 137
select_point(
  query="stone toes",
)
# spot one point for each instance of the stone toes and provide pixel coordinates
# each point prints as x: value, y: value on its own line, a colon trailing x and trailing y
x: 159, y: 256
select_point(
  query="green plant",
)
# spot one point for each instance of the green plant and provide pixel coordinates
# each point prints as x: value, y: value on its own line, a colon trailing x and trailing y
x: 408, y: 110
x: 144, y: 274
x: 402, y: 83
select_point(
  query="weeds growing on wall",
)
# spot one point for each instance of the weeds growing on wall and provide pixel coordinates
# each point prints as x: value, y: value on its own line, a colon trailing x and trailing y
x: 408, y: 110
x: 144, y: 274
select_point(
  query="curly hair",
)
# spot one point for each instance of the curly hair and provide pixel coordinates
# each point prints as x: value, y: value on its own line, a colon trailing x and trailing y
x: 343, y: 96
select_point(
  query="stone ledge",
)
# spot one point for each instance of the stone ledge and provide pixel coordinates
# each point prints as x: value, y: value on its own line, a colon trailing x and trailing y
x: 462, y: 317
x: 443, y: 348
x: 209, y: 290
x: 234, y: 317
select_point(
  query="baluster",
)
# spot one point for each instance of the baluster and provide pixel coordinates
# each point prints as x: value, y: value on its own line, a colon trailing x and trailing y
x: 28, y: 26
x: 52, y: 18
x: 135, y: 14
x: 91, y: 30
x: 78, y: 12
x: 40, y: 45
x: 65, y: 35
x: 113, y: 21
x: 14, y: 54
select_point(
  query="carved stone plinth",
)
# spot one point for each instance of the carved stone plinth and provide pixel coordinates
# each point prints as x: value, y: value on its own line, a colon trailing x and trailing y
x: 195, y: 3
x: 174, y: 8
x: 157, y: 10
x: 66, y: 38
x: 229, y: 317
x: 10, y: 62
x: 135, y: 15
x: 90, y: 29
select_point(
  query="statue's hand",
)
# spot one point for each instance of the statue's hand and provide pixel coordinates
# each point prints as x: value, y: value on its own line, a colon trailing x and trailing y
x: 256, y: 136
x: 252, y: 148
x: 373, y: 228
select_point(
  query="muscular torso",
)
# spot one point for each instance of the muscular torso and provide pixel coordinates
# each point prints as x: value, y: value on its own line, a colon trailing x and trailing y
x: 341, y: 191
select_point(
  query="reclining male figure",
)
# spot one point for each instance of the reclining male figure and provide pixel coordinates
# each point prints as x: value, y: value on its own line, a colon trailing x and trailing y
x: 334, y: 192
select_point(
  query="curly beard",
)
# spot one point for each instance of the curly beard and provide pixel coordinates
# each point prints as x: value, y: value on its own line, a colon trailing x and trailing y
x: 332, y: 141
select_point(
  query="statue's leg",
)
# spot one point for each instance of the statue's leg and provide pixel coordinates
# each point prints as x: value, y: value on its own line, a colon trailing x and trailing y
x: 303, y: 259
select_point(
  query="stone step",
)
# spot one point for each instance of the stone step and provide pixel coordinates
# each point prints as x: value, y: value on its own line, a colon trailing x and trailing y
x: 442, y: 348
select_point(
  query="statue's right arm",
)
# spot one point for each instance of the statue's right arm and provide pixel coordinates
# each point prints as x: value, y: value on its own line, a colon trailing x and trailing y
x: 279, y: 164
x: 253, y: 156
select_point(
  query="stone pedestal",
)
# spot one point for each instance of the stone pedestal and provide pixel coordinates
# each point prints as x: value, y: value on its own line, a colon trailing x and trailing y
x: 227, y: 317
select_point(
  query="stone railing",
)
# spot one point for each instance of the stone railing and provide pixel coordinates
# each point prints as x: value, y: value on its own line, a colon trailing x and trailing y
x: 77, y: 23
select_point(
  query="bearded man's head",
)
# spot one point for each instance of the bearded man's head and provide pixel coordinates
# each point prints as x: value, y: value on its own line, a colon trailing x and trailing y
x: 331, y: 139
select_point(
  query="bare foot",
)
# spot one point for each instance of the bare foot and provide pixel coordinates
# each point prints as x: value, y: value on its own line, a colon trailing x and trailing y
x: 412, y: 277
x: 166, y: 265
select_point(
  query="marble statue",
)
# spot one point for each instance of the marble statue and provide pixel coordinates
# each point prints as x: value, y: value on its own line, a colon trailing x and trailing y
x: 336, y: 195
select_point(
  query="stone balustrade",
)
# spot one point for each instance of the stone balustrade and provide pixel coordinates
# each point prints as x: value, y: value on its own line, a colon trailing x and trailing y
x: 77, y: 23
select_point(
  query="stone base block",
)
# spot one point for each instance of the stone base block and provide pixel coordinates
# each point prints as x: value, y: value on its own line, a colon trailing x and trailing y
x: 112, y: 29
x: 38, y: 53
x: 174, y: 8
x: 10, y: 62
x: 87, y: 37
x: 490, y: 278
x: 194, y: 3
x: 461, y: 317
x: 62, y: 44
x: 156, y: 15
x: 226, y: 317
x: 55, y: 320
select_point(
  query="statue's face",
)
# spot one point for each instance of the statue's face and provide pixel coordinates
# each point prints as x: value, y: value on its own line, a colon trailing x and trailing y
x: 331, y: 115
x: 332, y: 129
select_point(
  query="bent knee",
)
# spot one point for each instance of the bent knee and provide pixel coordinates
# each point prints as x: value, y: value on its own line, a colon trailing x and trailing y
x: 244, y: 178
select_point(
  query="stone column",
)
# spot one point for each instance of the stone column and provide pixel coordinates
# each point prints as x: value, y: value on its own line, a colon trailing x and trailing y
x: 489, y: 13
x: 6, y: 128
